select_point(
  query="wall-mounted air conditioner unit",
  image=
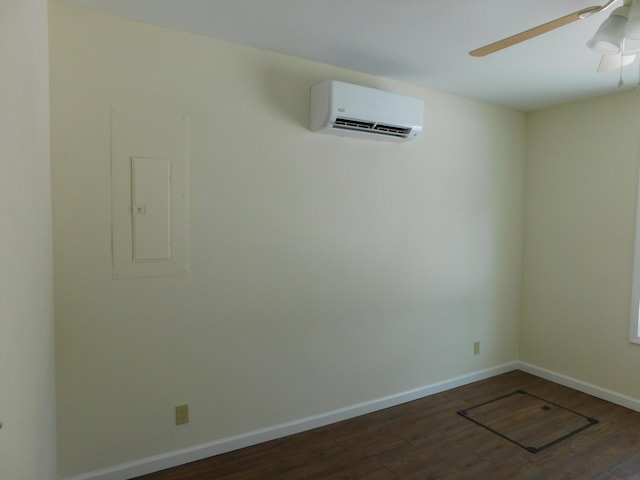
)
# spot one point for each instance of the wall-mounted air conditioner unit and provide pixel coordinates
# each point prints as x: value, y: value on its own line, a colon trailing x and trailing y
x: 352, y: 110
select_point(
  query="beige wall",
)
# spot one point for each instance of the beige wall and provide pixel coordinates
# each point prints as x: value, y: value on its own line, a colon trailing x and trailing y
x: 325, y: 271
x: 27, y: 396
x: 581, y: 177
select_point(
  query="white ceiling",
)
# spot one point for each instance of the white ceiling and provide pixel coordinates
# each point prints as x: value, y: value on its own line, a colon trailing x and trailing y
x: 424, y: 42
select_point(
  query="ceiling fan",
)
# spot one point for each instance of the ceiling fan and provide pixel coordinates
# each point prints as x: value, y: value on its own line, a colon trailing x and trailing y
x: 617, y: 39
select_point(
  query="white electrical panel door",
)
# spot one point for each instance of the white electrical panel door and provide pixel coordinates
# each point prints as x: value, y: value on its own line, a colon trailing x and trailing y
x: 149, y: 193
x: 151, y: 209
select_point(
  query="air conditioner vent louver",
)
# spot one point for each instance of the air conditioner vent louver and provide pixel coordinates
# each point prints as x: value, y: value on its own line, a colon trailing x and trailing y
x: 349, y: 110
x: 359, y: 125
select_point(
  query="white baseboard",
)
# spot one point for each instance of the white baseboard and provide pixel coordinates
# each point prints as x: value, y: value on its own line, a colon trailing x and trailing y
x: 206, y: 450
x: 603, y: 393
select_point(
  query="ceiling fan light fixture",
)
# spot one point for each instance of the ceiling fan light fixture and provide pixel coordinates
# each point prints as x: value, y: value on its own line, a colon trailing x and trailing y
x: 609, y: 63
x: 631, y: 46
x: 609, y: 37
x: 632, y: 28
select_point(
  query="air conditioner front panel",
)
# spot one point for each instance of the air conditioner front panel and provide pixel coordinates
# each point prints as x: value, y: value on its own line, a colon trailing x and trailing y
x: 352, y: 110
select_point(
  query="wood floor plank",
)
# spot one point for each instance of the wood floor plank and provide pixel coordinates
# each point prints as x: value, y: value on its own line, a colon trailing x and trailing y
x: 426, y: 439
x: 629, y: 467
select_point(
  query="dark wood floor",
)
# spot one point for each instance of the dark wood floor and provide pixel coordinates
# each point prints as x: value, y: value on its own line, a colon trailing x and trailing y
x: 426, y: 439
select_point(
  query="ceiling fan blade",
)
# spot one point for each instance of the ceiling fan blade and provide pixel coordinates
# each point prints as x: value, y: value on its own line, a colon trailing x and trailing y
x: 539, y: 30
x: 614, y: 62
